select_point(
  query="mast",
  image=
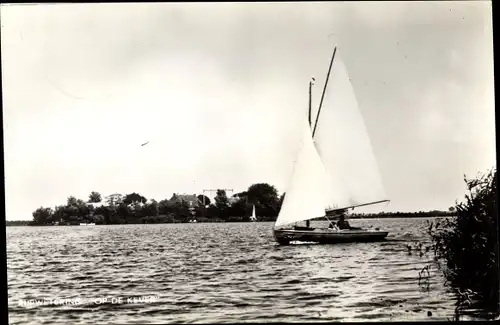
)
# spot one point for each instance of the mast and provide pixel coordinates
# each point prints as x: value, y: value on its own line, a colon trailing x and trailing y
x: 324, y: 90
x: 309, y: 115
x: 311, y: 82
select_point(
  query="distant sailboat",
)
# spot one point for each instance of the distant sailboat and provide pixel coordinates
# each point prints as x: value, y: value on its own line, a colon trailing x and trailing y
x: 253, y: 217
x: 335, y: 169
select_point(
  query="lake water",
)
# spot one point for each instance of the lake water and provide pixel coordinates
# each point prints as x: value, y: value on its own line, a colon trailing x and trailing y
x: 217, y: 272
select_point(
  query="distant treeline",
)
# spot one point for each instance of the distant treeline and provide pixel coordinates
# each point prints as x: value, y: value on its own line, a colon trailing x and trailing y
x: 18, y: 223
x: 420, y: 214
x: 134, y: 208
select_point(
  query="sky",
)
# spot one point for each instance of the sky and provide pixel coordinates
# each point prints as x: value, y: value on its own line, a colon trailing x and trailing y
x: 220, y: 89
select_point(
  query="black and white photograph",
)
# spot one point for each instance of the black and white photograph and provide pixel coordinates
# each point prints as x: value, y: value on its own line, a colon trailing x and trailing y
x: 236, y: 162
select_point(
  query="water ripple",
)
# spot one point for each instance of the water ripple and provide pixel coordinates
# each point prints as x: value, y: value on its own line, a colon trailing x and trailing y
x: 202, y: 273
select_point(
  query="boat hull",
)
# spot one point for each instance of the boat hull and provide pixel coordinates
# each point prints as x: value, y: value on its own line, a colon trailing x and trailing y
x: 325, y: 236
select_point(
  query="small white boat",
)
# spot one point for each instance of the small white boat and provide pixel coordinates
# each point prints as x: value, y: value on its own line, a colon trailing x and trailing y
x: 335, y: 169
x: 253, y: 217
x: 87, y: 224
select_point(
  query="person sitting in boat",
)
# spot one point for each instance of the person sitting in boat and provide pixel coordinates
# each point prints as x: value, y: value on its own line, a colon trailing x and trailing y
x: 343, y: 224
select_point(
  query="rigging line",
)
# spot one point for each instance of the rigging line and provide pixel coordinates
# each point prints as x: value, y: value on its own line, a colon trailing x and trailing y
x: 324, y: 90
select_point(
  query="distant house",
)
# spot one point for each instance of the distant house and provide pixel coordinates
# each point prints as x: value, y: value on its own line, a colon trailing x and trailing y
x: 190, y: 199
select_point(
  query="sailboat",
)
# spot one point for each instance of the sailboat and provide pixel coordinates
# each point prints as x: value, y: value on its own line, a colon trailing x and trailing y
x: 253, y: 217
x: 335, y: 169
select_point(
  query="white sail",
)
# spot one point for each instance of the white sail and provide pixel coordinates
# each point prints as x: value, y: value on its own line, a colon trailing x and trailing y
x: 305, y: 197
x: 344, y: 145
x: 254, y: 216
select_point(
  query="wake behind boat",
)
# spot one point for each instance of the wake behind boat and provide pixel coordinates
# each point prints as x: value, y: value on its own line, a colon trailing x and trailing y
x: 335, y: 169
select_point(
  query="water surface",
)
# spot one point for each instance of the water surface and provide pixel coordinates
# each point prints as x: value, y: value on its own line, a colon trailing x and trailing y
x: 218, y: 272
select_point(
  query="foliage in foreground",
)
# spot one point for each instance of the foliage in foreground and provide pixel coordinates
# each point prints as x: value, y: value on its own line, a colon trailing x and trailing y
x: 468, y: 244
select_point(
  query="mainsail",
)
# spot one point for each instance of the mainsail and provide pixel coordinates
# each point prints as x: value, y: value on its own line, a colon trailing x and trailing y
x: 305, y: 197
x: 344, y: 145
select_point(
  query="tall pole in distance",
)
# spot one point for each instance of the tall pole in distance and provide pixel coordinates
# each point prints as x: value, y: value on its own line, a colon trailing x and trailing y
x: 309, y: 116
x: 311, y: 83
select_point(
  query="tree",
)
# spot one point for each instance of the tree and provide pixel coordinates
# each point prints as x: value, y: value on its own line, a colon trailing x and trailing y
x: 241, y: 208
x: 71, y: 201
x: 180, y: 209
x: 221, y: 200
x: 106, y: 212
x: 262, y: 193
x: 42, y: 216
x: 123, y: 212
x: 163, y: 206
x: 206, y: 201
x: 95, y: 197
x: 83, y: 210
x: 151, y: 209
x: 200, y: 212
x: 99, y: 219
x: 265, y: 197
x: 60, y: 213
x: 221, y: 204
x: 77, y: 208
x: 213, y: 212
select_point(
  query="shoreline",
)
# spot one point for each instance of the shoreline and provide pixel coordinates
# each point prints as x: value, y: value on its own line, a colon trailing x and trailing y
x: 27, y: 223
